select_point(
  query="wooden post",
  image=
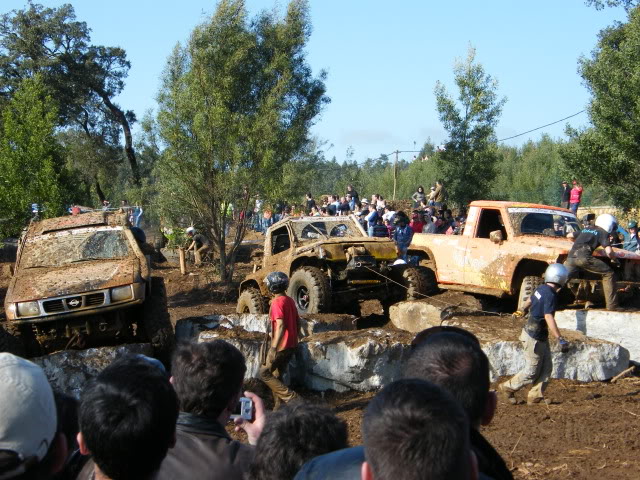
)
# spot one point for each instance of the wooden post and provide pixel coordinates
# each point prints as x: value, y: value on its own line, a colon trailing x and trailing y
x: 183, y: 263
x: 395, y: 174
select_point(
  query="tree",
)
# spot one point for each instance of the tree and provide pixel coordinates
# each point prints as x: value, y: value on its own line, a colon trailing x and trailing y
x: 30, y: 158
x: 600, y: 4
x: 84, y: 79
x: 609, y: 151
x: 467, y: 164
x: 235, y: 106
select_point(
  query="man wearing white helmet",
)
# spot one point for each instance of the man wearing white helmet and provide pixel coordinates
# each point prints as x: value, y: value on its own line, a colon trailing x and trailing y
x: 535, y: 337
x: 199, y: 244
x: 581, y: 256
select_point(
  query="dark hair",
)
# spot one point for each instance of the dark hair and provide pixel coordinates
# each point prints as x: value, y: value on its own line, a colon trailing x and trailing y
x: 67, y: 411
x: 207, y: 376
x: 414, y: 430
x: 420, y: 187
x: 456, y: 363
x: 128, y: 418
x: 292, y: 436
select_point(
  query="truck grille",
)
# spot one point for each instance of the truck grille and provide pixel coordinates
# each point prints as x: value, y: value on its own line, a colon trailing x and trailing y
x: 54, y: 306
x: 73, y: 303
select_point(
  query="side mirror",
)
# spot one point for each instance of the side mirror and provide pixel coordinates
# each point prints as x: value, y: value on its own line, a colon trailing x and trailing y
x: 496, y: 236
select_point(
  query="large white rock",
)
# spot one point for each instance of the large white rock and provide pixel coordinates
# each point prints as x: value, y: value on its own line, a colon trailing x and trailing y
x: 616, y: 327
x: 189, y: 328
x: 363, y: 360
x: 247, y: 342
x: 589, y: 359
x: 69, y: 371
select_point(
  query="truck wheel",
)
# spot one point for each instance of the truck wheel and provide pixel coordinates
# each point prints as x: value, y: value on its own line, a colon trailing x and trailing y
x: 420, y: 282
x: 251, y: 301
x: 527, y: 287
x: 11, y: 341
x: 309, y: 288
x: 155, y: 326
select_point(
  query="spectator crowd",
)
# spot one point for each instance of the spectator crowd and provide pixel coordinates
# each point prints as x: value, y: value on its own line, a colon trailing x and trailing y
x: 137, y: 420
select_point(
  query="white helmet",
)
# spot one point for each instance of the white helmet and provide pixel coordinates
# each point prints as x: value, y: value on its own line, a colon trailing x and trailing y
x: 607, y: 222
x: 556, y: 273
x: 190, y: 230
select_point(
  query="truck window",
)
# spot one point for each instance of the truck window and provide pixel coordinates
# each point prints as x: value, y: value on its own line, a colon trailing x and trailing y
x: 280, y: 240
x: 490, y: 220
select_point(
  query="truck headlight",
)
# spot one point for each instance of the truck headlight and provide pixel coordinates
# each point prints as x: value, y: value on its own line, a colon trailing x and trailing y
x: 28, y: 309
x: 120, y: 294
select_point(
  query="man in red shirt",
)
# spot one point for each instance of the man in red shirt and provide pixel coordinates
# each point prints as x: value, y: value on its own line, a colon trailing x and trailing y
x: 284, y: 337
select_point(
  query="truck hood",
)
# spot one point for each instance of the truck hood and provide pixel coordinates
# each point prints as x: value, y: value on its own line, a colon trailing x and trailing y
x: 39, y: 283
x: 565, y: 244
x: 380, y: 248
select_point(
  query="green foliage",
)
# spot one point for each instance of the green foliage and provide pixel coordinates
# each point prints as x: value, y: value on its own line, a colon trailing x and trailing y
x: 601, y: 4
x: 609, y: 151
x: 176, y: 237
x: 467, y: 165
x: 515, y: 181
x: 236, y: 105
x: 83, y: 78
x: 30, y: 157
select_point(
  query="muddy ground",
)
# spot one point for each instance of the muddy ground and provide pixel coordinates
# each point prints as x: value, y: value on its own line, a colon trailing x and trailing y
x: 591, y: 430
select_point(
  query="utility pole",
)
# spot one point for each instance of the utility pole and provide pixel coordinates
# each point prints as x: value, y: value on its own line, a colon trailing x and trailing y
x: 395, y: 174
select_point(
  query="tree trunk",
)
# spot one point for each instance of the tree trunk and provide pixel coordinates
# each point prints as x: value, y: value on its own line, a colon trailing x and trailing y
x: 128, y: 138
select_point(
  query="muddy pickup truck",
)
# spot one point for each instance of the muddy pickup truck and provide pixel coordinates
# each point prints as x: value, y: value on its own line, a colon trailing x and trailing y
x: 332, y: 264
x: 80, y: 281
x: 505, y: 248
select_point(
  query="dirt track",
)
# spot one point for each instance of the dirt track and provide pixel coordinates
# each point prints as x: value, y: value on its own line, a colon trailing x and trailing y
x: 593, y: 430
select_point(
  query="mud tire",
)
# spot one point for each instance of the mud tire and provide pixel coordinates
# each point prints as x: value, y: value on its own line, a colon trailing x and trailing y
x: 155, y: 324
x: 252, y: 301
x: 11, y: 340
x: 310, y: 290
x: 419, y: 281
x: 527, y: 287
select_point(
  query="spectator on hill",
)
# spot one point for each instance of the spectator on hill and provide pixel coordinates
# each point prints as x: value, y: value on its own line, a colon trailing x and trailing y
x: 565, y: 194
x: 32, y: 446
x: 208, y: 379
x: 402, y: 235
x: 295, y: 434
x: 372, y: 219
x: 332, y: 208
x: 428, y: 226
x: 311, y: 203
x: 417, y: 223
x: 575, y: 197
x: 389, y: 213
x: 418, y: 197
x: 315, y: 212
x: 415, y: 430
x: 431, y: 197
x: 381, y: 202
x: 440, y: 195
x: 344, y: 208
x: 380, y: 230
x: 390, y: 228
x: 354, y: 195
x: 127, y: 421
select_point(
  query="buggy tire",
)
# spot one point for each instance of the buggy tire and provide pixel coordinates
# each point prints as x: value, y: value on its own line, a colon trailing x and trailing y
x: 252, y: 301
x: 155, y: 324
x: 310, y: 290
x: 419, y: 282
x: 11, y: 340
x: 527, y: 287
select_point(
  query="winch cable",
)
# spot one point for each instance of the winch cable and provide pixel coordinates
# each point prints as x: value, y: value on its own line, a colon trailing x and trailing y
x: 431, y: 297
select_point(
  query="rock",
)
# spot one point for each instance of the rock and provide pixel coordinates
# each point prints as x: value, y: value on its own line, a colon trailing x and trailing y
x: 590, y: 359
x: 247, y: 342
x: 189, y: 328
x: 616, y: 327
x: 69, y: 371
x: 363, y: 360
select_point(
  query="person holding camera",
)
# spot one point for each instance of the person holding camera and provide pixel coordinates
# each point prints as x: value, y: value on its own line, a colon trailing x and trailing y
x: 535, y: 337
x: 283, y: 315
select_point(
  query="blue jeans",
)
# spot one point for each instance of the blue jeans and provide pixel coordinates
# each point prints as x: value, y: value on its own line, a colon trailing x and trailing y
x: 574, y: 207
x: 370, y: 231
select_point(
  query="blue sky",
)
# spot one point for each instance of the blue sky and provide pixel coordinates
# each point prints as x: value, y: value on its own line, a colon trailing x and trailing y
x: 383, y: 59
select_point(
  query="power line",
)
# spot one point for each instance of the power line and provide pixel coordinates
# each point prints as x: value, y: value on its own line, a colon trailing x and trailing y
x: 543, y: 126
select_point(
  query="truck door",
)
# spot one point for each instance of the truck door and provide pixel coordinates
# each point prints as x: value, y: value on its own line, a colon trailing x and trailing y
x: 449, y: 254
x: 279, y: 248
x: 484, y: 266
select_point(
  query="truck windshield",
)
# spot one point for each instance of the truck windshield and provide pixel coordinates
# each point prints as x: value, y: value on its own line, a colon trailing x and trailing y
x: 74, y: 246
x: 540, y: 221
x: 325, y: 228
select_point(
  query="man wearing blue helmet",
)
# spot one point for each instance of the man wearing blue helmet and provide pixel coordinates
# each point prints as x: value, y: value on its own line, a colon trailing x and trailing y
x: 535, y: 337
